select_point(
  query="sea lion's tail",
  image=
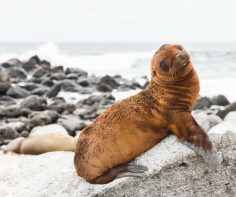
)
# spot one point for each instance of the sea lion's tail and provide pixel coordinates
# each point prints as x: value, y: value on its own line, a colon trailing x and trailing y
x: 127, y: 170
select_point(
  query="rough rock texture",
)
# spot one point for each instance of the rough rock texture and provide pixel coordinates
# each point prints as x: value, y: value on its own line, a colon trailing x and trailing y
x: 174, y: 170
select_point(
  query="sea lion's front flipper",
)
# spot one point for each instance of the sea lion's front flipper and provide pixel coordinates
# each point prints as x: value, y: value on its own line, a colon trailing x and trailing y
x: 193, y: 136
x: 127, y: 170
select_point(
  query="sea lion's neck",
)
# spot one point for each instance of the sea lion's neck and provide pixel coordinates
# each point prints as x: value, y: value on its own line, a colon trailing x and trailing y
x: 178, y: 94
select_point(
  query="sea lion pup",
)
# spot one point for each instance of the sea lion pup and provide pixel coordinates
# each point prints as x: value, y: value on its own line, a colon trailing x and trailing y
x: 136, y: 124
x: 40, y: 144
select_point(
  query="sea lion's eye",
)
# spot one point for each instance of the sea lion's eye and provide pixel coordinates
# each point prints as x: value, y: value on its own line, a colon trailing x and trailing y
x: 164, y: 64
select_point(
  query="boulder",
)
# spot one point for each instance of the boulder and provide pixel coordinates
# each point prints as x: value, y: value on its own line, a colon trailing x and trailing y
x: 29, y: 86
x: 12, y: 63
x: 17, y: 73
x: 107, y: 84
x: 45, y: 64
x: 72, y: 124
x: 35, y: 103
x: 202, y: 103
x: 17, y: 92
x: 72, y: 76
x: 4, y: 87
x: 47, y: 82
x: 70, y: 86
x: 84, y: 82
x: 174, y: 170
x: 13, y: 111
x: 43, y: 118
x: 206, y: 121
x: 229, y: 124
x: 54, y: 90
x: 40, y: 91
x: 30, y: 65
x: 57, y: 69
x: 7, y: 100
x: 57, y: 76
x: 229, y: 108
x: 79, y: 72
x: 8, y: 132
x: 11, y: 130
x: 220, y: 100
x: 35, y: 59
x: 39, y: 73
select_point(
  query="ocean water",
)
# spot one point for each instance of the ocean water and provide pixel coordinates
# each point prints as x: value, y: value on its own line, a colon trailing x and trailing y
x: 214, y: 62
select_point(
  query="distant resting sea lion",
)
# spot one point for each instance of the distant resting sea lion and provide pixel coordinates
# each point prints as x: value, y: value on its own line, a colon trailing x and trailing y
x: 136, y: 124
x: 39, y: 144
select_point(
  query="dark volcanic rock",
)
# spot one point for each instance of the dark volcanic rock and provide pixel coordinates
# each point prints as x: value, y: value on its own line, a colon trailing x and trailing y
x: 224, y: 112
x: 40, y: 91
x: 203, y: 103
x: 43, y: 118
x: 7, y: 100
x: 39, y: 73
x: 54, y: 90
x: 58, y: 76
x: 47, y: 82
x: 107, y: 83
x: 78, y: 71
x: 72, y: 76
x: 61, y: 107
x: 4, y: 87
x: 29, y: 86
x: 102, y: 87
x: 72, y: 124
x: 12, y: 63
x: 57, y: 69
x: 105, y: 99
x: 83, y: 82
x: 88, y: 113
x: 13, y: 111
x: 17, y: 73
x: 31, y: 64
x: 45, y: 64
x: 70, y: 86
x: 220, y: 100
x: 8, y: 132
x: 35, y: 59
x: 34, y: 103
x: 17, y: 92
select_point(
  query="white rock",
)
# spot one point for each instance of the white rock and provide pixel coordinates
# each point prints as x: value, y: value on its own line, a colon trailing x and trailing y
x: 229, y: 124
x: 51, y: 128
x: 206, y: 121
x: 223, y: 127
x: 202, y: 120
x: 231, y: 116
x: 174, y: 170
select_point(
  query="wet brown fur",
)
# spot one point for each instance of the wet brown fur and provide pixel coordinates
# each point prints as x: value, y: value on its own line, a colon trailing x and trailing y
x: 136, y: 124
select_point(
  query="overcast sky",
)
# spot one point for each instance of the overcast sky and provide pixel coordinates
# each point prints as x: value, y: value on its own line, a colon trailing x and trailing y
x: 117, y: 20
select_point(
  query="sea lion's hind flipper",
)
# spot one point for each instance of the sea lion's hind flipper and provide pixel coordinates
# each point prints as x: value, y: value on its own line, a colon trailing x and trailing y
x: 127, y: 170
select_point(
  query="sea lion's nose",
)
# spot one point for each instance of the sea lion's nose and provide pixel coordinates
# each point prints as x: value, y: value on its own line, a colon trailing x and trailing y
x: 164, y: 64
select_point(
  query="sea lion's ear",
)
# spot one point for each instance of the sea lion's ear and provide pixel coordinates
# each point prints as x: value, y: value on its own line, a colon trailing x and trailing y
x: 180, y: 47
x: 161, y: 48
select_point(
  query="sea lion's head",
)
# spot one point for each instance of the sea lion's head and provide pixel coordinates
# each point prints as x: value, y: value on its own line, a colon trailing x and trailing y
x: 170, y: 62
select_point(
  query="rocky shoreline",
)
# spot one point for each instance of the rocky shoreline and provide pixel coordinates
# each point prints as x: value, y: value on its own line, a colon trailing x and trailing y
x: 31, y: 95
